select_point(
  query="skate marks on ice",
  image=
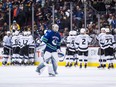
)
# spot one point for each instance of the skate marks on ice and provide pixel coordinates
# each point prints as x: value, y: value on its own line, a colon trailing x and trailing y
x: 16, y: 76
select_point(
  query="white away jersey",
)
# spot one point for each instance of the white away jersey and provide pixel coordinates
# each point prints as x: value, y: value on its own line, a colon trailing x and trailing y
x: 15, y: 41
x: 108, y: 41
x: 7, y: 40
x: 101, y: 39
x: 70, y: 42
x: 82, y: 41
x: 31, y: 40
x: 24, y: 40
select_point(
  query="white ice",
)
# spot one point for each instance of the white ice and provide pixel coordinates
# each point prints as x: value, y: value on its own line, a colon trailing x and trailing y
x: 25, y: 76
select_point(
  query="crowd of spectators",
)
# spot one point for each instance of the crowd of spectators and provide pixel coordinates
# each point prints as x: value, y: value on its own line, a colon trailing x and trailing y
x: 21, y: 14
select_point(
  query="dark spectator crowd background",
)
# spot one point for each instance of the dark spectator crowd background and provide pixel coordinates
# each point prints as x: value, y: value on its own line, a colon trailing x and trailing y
x: 21, y: 16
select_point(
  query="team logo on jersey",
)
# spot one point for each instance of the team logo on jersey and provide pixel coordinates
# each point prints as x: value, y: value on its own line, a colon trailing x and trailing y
x: 55, y: 40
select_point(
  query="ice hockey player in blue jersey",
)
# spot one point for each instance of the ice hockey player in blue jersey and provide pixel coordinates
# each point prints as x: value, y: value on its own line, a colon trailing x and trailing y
x: 52, y: 41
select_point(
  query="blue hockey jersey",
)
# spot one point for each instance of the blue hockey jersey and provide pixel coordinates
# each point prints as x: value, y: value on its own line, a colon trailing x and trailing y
x: 52, y: 40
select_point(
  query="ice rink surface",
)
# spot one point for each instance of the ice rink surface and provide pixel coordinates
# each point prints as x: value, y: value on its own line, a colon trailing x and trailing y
x: 25, y: 76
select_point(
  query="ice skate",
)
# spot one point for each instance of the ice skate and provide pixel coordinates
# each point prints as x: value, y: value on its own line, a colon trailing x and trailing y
x: 100, y: 66
x: 75, y: 64
x: 80, y: 65
x: 104, y: 65
x: 85, y: 65
x: 38, y: 71
x: 4, y: 63
x: 70, y: 65
x: 51, y: 75
x: 112, y: 66
x: 67, y: 64
x: 109, y: 66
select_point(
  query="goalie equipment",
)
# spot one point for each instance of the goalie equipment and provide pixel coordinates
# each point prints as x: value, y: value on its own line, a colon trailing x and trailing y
x: 42, y: 46
x: 60, y: 55
x: 55, y: 27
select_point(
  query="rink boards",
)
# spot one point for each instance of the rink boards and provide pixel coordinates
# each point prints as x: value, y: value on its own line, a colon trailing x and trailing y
x: 93, y: 58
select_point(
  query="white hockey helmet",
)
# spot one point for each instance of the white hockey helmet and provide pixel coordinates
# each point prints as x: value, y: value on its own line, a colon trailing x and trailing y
x: 25, y: 33
x: 13, y: 33
x: 8, y: 32
x: 28, y: 33
x: 107, y: 30
x: 55, y: 27
x: 72, y: 33
x: 16, y: 32
x: 102, y: 29
x: 82, y: 30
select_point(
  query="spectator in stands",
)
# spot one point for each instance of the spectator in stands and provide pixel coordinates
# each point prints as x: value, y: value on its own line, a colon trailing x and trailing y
x: 94, y: 4
x: 15, y: 2
x: 21, y: 11
x: 1, y: 7
x: 78, y: 13
x: 38, y: 15
x: 41, y: 30
x: 36, y: 31
x: 15, y: 12
x: 101, y: 6
x: 15, y: 26
x: 28, y: 11
x: 6, y: 14
x: 65, y: 24
x: 5, y: 27
x: 1, y: 19
x: 3, y: 30
x: 110, y: 19
x: 7, y: 4
x: 113, y: 22
x: 21, y: 16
